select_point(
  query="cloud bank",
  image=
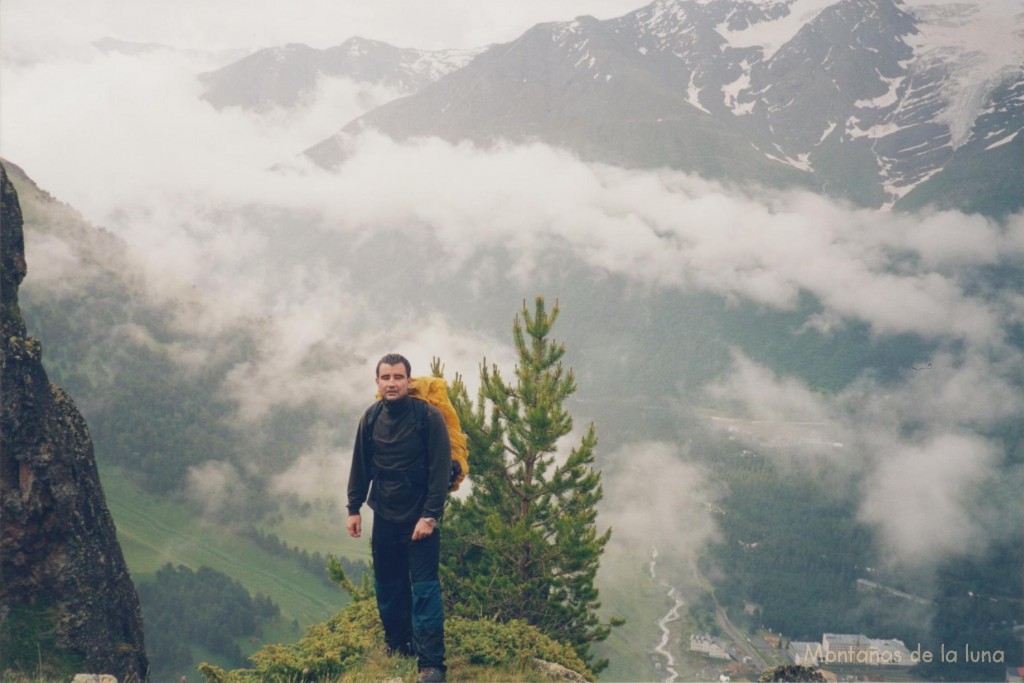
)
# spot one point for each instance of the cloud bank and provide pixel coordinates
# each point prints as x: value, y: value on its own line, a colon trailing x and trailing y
x: 182, y: 172
x: 306, y: 254
x: 657, y: 501
x: 921, y: 457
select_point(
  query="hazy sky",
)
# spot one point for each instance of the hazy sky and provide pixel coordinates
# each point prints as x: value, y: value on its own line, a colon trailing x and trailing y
x: 127, y: 141
x: 35, y: 27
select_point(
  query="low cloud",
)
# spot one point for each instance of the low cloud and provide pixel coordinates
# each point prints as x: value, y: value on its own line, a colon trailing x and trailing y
x: 319, y: 474
x: 311, y: 356
x: 56, y: 265
x: 754, y: 392
x: 183, y: 182
x: 923, y: 498
x: 668, y: 229
x: 216, y: 487
x: 658, y: 503
x: 305, y: 261
x: 927, y: 476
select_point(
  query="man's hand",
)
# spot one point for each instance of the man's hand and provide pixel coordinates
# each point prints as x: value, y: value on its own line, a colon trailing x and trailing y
x: 355, y: 526
x: 424, y: 527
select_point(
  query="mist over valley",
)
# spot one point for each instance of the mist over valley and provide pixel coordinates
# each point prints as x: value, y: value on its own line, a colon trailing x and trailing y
x: 797, y: 387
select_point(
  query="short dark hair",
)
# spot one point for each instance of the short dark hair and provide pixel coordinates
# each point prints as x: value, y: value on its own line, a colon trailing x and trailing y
x: 395, y: 359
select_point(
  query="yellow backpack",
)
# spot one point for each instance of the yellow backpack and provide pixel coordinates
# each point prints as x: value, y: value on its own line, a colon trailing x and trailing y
x: 434, y: 390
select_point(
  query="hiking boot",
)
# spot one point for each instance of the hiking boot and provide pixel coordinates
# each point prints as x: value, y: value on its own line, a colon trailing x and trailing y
x: 430, y: 675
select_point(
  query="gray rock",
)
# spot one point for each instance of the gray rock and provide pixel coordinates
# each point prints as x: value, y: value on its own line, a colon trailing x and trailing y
x: 65, y: 582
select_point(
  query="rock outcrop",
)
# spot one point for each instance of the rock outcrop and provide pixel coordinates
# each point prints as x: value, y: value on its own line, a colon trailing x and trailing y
x: 67, y: 601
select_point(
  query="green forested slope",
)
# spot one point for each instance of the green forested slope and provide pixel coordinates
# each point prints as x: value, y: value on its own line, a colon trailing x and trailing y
x: 155, y: 531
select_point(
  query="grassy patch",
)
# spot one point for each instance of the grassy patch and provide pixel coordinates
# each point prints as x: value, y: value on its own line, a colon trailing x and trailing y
x: 321, y: 528
x: 28, y: 644
x: 154, y: 531
x: 628, y: 591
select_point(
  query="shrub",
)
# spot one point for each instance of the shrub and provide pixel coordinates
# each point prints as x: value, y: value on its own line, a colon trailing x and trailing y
x: 346, y: 642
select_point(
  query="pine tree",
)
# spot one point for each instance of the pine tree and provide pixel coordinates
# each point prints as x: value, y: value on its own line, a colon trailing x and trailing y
x: 525, y: 544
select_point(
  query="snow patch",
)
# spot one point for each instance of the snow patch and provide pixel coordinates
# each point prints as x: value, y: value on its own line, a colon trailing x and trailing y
x: 888, y: 99
x: 693, y: 94
x: 666, y: 11
x: 828, y: 131
x: 744, y: 109
x: 897, y: 191
x: 586, y: 57
x: 853, y: 129
x: 436, y: 64
x: 978, y: 43
x: 773, y: 34
x: 731, y: 91
x: 1006, y: 140
x: 663, y: 20
x: 801, y: 162
x: 989, y: 29
x: 562, y: 32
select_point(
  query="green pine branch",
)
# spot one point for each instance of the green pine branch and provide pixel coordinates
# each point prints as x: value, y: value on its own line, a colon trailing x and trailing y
x: 525, y: 544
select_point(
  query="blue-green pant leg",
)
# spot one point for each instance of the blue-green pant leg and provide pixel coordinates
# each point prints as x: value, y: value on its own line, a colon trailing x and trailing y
x: 427, y: 607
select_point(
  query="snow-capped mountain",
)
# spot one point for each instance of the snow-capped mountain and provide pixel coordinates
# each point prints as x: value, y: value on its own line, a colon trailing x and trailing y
x: 576, y: 85
x: 880, y: 102
x: 882, y: 91
x: 281, y: 76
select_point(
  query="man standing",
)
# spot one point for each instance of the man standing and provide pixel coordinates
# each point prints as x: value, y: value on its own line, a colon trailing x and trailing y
x: 402, y: 447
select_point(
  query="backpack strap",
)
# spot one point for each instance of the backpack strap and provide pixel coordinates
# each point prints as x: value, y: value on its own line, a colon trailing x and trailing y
x: 420, y: 409
x: 371, y: 420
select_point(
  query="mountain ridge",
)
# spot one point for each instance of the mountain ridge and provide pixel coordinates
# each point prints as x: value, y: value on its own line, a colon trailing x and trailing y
x: 571, y: 85
x: 867, y: 100
x: 283, y: 76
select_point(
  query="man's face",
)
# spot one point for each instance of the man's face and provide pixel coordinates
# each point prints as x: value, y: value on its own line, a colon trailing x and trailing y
x: 392, y: 382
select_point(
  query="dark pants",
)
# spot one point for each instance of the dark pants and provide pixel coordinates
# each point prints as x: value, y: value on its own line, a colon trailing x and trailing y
x: 408, y: 592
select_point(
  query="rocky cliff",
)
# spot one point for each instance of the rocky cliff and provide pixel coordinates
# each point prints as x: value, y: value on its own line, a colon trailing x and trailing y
x: 67, y: 601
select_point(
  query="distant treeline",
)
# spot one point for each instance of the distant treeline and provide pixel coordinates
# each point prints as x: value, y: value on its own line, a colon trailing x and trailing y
x: 182, y: 608
x: 791, y: 551
x: 315, y: 563
x: 144, y: 413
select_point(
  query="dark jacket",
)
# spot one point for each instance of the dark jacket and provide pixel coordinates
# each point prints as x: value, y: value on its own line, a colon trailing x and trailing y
x: 409, y: 474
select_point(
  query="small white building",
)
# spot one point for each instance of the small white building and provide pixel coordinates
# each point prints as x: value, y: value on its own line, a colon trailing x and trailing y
x: 852, y: 649
x: 702, y: 642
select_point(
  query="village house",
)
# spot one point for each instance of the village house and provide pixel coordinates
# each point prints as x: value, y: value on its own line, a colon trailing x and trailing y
x: 701, y: 642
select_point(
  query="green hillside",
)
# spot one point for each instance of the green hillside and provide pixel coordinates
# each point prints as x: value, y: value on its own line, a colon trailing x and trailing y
x: 157, y: 532
x: 627, y: 590
x: 154, y: 531
x: 316, y: 527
